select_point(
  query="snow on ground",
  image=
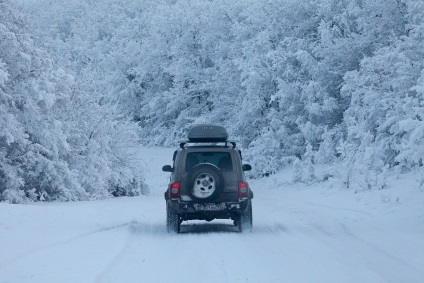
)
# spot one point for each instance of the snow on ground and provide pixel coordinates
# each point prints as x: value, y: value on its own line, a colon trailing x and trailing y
x: 301, y: 234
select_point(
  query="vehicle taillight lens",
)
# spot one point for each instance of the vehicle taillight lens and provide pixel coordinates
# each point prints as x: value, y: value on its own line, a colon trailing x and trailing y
x: 174, y: 190
x: 242, y: 189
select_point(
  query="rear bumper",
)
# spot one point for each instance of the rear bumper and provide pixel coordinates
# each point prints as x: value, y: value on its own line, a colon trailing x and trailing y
x: 193, y: 210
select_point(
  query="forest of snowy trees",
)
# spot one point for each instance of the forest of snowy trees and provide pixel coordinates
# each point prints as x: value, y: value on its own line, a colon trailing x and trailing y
x: 61, y: 138
x: 298, y: 83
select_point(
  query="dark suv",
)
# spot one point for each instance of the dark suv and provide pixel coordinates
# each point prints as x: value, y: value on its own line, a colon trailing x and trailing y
x: 207, y: 180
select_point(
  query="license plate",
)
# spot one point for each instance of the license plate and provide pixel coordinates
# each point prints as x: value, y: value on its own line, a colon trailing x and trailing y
x: 209, y: 206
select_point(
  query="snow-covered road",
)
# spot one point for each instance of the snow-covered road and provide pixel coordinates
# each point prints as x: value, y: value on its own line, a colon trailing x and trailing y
x: 301, y: 234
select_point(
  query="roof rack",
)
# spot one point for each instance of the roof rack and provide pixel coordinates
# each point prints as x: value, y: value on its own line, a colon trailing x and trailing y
x: 183, y: 143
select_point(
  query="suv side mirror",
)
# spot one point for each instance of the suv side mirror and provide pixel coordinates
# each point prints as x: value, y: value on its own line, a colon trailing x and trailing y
x: 167, y: 168
x: 246, y: 167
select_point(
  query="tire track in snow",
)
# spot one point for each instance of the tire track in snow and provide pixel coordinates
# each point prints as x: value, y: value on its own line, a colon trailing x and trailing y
x: 102, y: 276
x: 34, y: 251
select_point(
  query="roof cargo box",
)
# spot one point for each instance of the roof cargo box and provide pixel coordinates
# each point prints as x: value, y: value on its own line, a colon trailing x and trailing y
x: 207, y: 133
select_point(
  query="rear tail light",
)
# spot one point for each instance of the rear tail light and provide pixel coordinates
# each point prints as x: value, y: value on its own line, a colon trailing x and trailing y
x: 243, y: 190
x: 174, y: 190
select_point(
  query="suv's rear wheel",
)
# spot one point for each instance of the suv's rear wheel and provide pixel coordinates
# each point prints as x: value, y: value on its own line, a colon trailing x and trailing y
x: 172, y: 221
x: 205, y: 181
x: 245, y: 220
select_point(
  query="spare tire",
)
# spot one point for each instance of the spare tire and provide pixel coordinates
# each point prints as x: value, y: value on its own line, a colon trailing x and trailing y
x: 205, y: 181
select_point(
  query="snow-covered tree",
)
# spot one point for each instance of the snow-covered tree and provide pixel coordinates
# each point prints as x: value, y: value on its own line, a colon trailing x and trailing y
x: 384, y: 118
x: 57, y: 142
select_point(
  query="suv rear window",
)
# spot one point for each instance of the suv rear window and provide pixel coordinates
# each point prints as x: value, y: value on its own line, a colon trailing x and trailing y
x: 220, y: 159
